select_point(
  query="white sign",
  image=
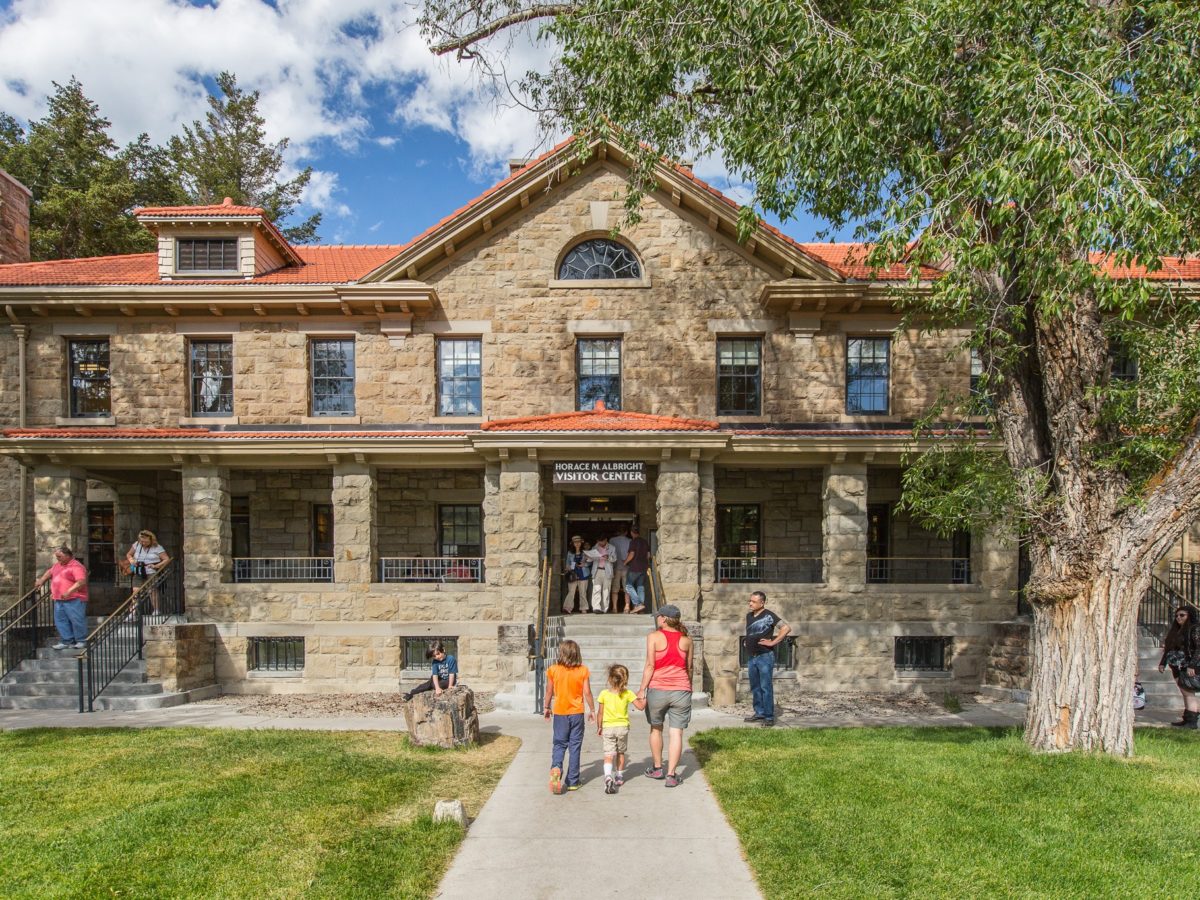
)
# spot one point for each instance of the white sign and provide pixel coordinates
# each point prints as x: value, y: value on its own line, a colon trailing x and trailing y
x: 599, y: 473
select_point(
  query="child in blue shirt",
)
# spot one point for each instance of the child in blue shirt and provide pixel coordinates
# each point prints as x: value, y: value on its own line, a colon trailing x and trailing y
x: 443, y: 672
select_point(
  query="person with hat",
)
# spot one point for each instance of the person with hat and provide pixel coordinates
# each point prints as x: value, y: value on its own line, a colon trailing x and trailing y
x: 667, y: 691
x: 579, y: 568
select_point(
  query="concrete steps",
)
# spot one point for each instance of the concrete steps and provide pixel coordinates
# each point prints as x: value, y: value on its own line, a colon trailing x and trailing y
x: 1160, y: 686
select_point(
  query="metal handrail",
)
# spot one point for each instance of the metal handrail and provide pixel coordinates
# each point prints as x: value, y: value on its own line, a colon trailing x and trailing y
x: 283, y: 569
x: 1157, y: 608
x: 424, y: 569
x: 654, y: 586
x: 770, y: 569
x: 22, y: 627
x: 539, y: 638
x: 116, y: 641
x: 918, y: 570
x: 1184, y: 578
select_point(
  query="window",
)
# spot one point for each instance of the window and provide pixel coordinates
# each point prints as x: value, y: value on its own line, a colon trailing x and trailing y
x: 867, y: 375
x: 212, y: 377
x: 976, y: 373
x: 460, y: 377
x: 1124, y: 367
x: 90, y: 387
x: 922, y: 654
x: 460, y: 531
x: 415, y: 648
x: 101, y: 543
x: 239, y: 525
x: 598, y: 362
x: 739, y: 377
x: 332, y: 367
x: 739, y: 532
x: 322, y: 529
x: 277, y: 654
x: 879, y: 543
x: 599, y: 258
x: 206, y: 255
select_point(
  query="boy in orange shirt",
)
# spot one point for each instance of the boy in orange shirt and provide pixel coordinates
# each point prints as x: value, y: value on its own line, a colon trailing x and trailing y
x: 567, y: 689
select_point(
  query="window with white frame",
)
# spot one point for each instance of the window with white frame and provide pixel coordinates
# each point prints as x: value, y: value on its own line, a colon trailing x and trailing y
x: 867, y: 361
x: 460, y: 377
x: 739, y: 376
x: 331, y: 366
x: 89, y: 379
x: 598, y: 362
x: 211, y: 363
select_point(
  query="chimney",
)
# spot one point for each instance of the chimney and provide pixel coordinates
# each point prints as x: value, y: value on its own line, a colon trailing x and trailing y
x: 516, y: 165
x: 14, y: 220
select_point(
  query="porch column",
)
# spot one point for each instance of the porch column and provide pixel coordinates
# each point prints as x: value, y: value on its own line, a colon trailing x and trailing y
x: 844, y: 539
x: 354, y: 494
x: 134, y: 511
x: 59, y: 513
x: 512, y: 517
x: 678, y: 557
x: 207, y: 535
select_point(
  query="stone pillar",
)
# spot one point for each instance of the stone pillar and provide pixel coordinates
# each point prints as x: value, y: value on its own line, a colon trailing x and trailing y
x: 844, y: 544
x: 135, y: 504
x: 678, y: 557
x: 59, y: 512
x: 353, y: 524
x: 207, y: 536
x: 512, y: 518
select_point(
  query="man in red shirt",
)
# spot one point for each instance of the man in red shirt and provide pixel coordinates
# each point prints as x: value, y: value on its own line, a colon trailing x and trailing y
x: 69, y: 591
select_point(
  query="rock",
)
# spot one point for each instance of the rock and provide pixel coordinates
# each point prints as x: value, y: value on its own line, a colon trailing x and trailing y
x: 724, y: 690
x: 450, y: 811
x: 446, y: 721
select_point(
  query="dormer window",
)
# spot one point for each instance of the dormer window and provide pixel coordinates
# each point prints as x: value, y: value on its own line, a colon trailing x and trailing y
x: 599, y: 259
x: 207, y: 255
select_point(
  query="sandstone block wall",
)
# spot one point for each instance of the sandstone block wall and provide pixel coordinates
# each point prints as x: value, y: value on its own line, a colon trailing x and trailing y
x: 407, y: 506
x: 1008, y: 658
x: 183, y: 657
x: 791, y: 508
x: 908, y: 538
x: 281, y: 508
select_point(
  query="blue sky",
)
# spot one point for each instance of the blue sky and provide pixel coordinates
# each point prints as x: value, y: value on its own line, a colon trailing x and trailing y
x: 397, y: 138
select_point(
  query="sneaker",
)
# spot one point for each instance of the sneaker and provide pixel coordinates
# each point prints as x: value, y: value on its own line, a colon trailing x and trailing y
x: 655, y: 772
x: 610, y: 785
x: 754, y: 718
x: 406, y: 696
x: 768, y: 723
x: 80, y: 645
x: 619, y: 779
x: 674, y: 781
x: 573, y: 787
x: 59, y: 646
x: 556, y: 785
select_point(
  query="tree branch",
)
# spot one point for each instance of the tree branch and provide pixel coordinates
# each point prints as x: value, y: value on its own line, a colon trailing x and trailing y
x: 539, y: 11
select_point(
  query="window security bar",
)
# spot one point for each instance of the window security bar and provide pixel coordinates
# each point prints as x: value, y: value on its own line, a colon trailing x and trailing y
x: 310, y: 569
x: 277, y: 654
x: 777, y: 569
x: 918, y: 570
x: 431, y: 569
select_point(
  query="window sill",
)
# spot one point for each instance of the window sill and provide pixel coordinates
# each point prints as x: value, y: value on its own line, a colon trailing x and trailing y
x: 209, y: 420
x: 85, y: 422
x: 600, y: 284
x: 331, y: 420
x: 743, y: 420
x: 297, y: 674
x: 922, y: 674
x: 459, y: 420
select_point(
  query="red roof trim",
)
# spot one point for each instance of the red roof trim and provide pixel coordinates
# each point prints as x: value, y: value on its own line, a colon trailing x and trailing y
x: 599, y: 420
x: 204, y: 433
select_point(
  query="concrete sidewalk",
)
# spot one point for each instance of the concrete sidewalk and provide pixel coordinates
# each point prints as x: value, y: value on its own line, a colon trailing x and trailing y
x: 646, y: 841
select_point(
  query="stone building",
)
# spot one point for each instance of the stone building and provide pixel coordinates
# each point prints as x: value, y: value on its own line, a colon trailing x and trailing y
x: 354, y: 449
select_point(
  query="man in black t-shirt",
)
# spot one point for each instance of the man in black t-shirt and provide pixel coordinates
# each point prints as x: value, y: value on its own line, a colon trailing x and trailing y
x: 761, y: 640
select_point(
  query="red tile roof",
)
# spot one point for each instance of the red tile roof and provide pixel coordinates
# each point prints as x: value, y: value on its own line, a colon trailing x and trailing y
x: 322, y: 265
x: 851, y: 261
x: 1174, y: 268
x: 599, y: 420
x: 118, y: 434
x: 190, y: 212
x: 848, y: 432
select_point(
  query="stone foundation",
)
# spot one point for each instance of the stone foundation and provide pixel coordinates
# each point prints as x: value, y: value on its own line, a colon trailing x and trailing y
x: 1008, y: 659
x: 182, y: 657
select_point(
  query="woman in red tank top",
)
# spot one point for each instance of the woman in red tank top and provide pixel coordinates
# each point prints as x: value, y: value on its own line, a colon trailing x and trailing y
x: 667, y: 690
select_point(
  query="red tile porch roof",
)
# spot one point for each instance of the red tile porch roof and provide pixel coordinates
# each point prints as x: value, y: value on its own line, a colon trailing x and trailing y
x: 598, y: 420
x: 174, y: 434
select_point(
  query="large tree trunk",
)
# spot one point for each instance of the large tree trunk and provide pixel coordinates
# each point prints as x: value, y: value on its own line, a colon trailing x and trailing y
x: 1084, y: 664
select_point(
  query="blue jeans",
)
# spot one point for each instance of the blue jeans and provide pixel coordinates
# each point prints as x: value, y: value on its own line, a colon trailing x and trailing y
x: 762, y: 690
x: 635, y: 587
x: 568, y: 736
x: 70, y: 618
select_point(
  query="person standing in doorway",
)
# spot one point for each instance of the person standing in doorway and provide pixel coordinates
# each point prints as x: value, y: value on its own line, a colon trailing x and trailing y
x: 579, y: 569
x: 637, y: 563
x: 761, y: 641
x: 603, y: 559
x: 69, y: 591
x: 620, y: 545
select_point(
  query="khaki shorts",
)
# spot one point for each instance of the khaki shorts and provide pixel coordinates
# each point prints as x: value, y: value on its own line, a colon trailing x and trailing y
x: 616, y: 739
x: 674, y: 706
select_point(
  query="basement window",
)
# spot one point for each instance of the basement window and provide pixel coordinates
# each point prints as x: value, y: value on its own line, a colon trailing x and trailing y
x: 415, y: 649
x: 923, y: 654
x: 277, y: 654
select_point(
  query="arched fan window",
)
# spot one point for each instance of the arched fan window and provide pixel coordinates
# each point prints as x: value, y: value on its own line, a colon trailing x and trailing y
x: 599, y: 258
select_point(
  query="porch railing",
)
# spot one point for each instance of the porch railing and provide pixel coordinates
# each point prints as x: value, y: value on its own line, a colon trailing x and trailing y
x: 23, y: 626
x: 117, y: 640
x: 777, y: 569
x: 1184, y: 578
x: 537, y: 646
x: 918, y: 570
x: 1157, y: 608
x: 426, y: 569
x: 299, y: 569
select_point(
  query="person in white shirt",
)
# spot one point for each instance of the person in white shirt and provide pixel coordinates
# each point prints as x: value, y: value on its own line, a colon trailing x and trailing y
x: 603, y: 563
x: 146, y: 557
x: 620, y: 544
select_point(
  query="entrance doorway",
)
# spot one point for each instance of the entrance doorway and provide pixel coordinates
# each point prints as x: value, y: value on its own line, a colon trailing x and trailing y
x: 592, y: 526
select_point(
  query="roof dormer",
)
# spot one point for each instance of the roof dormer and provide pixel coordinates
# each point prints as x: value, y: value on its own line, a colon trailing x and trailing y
x: 216, y: 242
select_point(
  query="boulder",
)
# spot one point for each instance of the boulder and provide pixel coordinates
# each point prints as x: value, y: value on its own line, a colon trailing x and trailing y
x: 450, y: 811
x: 446, y: 721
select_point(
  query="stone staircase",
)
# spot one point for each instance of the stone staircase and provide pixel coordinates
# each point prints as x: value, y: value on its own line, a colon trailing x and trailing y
x: 51, y: 681
x: 1160, y: 687
x: 603, y: 641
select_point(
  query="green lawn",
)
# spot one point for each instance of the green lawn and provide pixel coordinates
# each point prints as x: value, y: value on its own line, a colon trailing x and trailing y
x: 196, y: 812
x: 957, y: 812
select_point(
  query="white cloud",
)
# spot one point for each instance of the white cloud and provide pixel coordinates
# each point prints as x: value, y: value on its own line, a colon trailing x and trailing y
x: 319, y: 193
